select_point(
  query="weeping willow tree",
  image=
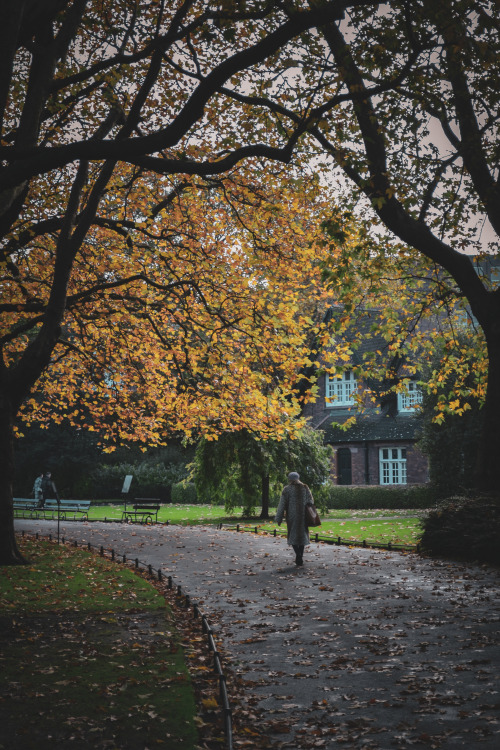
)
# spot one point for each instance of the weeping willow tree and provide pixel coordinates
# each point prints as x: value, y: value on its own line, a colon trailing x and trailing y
x: 237, y: 469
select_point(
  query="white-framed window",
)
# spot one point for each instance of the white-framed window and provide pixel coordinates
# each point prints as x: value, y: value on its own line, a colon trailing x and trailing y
x: 341, y: 389
x: 409, y: 399
x: 392, y: 465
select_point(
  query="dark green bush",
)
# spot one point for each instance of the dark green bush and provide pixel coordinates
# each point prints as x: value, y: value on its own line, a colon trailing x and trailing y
x: 70, y: 456
x: 373, y: 496
x: 81, y: 470
x: 184, y: 493
x: 150, y: 479
x: 452, y: 445
x: 463, y: 528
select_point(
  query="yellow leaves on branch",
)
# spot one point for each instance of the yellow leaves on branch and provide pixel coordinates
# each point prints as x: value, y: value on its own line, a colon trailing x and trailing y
x: 193, y: 319
x: 405, y: 321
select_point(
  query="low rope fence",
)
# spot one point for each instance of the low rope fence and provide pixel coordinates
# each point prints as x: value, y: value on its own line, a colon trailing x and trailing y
x: 157, y: 574
x: 318, y: 537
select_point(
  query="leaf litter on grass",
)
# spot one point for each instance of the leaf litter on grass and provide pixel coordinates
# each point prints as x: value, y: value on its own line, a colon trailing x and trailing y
x: 94, y: 652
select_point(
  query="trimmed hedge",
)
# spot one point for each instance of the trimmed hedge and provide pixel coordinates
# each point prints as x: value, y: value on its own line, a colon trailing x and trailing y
x: 370, y: 497
x: 464, y: 529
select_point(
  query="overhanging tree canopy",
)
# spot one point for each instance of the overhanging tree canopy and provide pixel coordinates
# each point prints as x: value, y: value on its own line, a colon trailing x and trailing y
x: 405, y: 100
x: 182, y: 320
x: 194, y: 88
x: 86, y: 88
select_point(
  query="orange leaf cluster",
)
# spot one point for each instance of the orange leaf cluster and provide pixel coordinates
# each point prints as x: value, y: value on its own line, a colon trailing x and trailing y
x: 188, y: 310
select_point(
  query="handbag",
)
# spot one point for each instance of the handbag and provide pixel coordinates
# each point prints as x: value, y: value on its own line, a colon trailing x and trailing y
x: 311, y: 516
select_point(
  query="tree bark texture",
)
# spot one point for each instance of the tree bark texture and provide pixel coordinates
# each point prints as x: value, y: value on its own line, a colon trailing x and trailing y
x: 265, y: 497
x: 9, y: 552
x: 488, y: 460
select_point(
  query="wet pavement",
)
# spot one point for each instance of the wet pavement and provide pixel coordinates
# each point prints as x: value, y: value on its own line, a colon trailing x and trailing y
x: 359, y: 648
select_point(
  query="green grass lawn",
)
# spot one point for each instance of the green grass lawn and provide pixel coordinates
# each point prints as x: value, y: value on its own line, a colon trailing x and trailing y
x: 181, y: 514
x: 374, y: 526
x: 377, y: 526
x: 405, y: 531
x: 90, y: 657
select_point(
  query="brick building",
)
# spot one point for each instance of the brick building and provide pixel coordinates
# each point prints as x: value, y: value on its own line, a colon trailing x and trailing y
x: 380, y: 447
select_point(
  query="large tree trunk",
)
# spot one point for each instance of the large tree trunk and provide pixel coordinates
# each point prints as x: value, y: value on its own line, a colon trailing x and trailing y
x: 489, y: 444
x: 9, y: 552
x: 264, y: 514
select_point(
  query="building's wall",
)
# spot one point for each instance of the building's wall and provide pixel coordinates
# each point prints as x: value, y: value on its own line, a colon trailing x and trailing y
x: 364, y: 454
x: 416, y: 462
x: 417, y: 466
x: 318, y: 411
x: 357, y: 462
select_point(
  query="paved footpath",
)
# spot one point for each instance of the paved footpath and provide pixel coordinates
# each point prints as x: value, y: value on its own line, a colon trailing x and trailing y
x: 357, y: 649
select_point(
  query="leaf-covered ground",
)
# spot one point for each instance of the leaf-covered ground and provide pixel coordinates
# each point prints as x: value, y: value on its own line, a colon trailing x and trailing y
x: 90, y: 657
x: 361, y: 649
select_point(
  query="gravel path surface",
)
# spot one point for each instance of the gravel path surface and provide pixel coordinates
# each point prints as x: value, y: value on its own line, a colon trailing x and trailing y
x: 357, y: 649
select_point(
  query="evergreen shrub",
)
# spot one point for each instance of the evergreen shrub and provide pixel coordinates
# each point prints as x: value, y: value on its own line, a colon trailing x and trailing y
x: 465, y: 529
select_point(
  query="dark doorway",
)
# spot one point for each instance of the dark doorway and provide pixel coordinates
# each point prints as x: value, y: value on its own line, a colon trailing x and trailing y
x: 344, y: 466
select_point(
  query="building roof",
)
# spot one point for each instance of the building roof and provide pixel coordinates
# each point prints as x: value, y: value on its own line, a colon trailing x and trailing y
x: 371, y: 427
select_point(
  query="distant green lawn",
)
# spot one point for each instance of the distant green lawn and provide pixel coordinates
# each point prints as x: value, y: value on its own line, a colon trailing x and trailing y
x: 179, y: 514
x: 379, y: 526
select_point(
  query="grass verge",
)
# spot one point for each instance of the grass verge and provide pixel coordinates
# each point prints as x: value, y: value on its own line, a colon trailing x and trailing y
x: 90, y: 657
x: 374, y: 526
x: 405, y: 531
x: 381, y: 526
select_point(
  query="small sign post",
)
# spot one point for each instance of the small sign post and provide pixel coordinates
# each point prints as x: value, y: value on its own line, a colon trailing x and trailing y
x: 126, y: 486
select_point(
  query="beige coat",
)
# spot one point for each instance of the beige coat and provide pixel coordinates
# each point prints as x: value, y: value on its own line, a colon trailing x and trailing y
x: 294, y: 498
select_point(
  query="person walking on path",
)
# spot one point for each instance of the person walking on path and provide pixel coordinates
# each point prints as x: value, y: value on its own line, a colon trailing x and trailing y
x: 294, y: 498
x: 38, y: 491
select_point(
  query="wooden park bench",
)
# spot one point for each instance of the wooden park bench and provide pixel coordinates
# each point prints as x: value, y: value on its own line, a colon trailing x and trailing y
x: 65, y: 508
x: 144, y: 509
